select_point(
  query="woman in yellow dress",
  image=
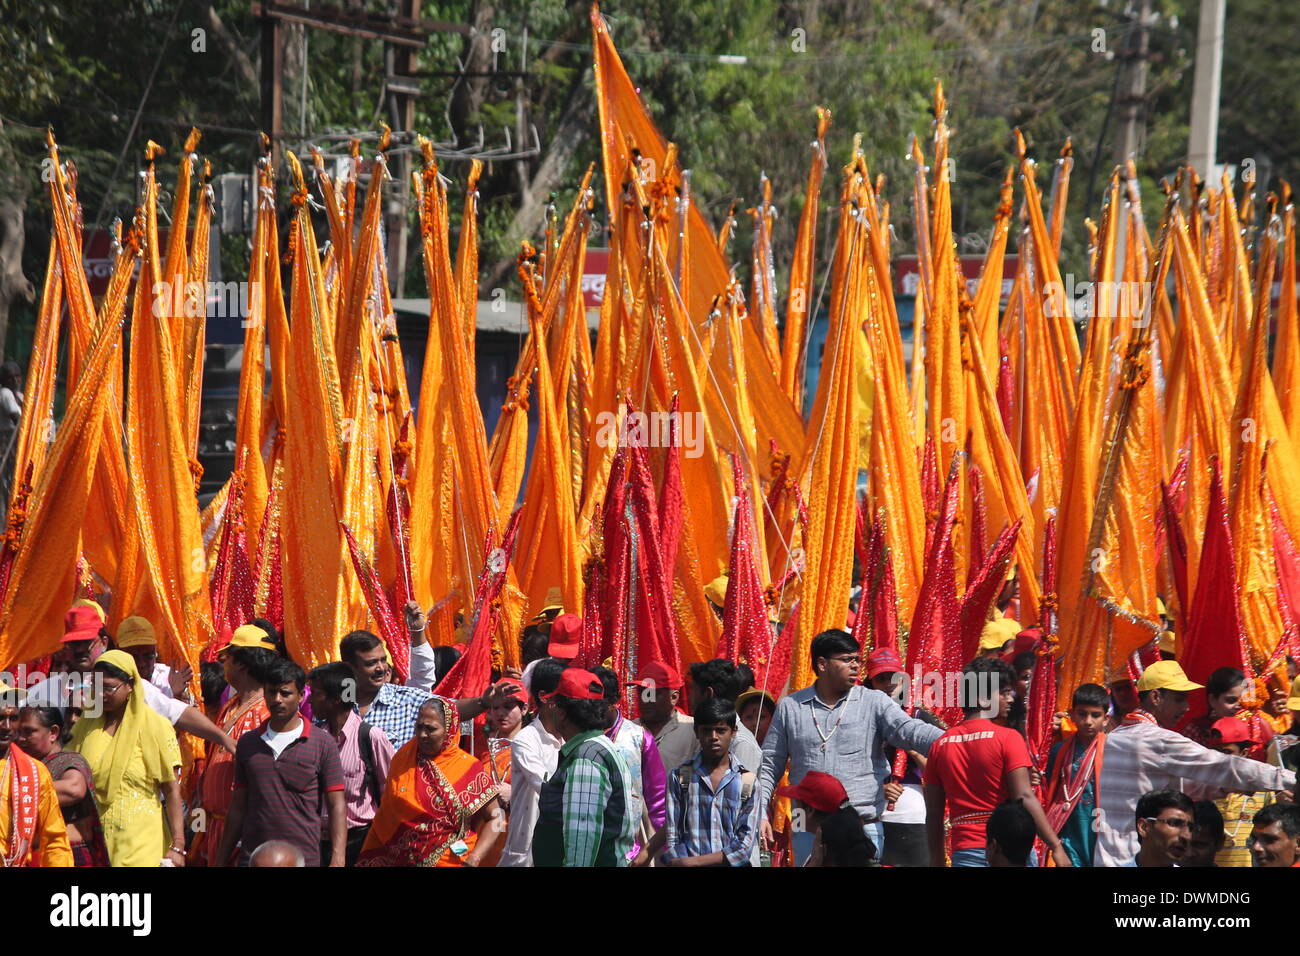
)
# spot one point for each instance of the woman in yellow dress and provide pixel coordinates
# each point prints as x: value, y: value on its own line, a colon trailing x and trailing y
x: 133, y: 749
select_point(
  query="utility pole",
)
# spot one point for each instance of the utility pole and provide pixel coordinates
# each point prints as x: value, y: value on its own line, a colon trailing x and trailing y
x: 273, y: 87
x: 403, y: 87
x: 1205, y: 89
x: 1131, y: 102
x: 404, y: 35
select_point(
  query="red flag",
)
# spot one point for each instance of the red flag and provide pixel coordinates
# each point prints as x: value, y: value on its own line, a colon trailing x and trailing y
x: 470, y: 675
x: 746, y: 633
x: 389, y: 619
x: 1215, y: 637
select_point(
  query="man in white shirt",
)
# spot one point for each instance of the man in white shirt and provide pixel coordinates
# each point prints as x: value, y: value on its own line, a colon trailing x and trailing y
x: 534, y: 753
x: 1145, y: 753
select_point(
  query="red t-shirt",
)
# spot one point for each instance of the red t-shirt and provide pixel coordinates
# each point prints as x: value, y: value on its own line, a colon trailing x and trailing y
x: 971, y: 762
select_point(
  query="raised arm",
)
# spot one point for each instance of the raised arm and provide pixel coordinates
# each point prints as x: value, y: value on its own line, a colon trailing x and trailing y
x: 1217, y: 772
x: 193, y: 721
x: 423, y: 673
x: 901, y: 730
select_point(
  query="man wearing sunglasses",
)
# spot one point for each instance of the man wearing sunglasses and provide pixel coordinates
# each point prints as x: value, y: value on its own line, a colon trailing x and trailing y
x: 1164, y: 828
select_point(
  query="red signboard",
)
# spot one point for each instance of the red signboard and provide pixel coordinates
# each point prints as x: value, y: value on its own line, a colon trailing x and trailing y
x: 907, y: 274
x: 593, y: 277
x: 98, y: 256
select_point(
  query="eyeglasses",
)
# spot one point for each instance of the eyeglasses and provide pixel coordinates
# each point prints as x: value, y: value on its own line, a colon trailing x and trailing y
x: 1173, y: 824
x: 851, y: 661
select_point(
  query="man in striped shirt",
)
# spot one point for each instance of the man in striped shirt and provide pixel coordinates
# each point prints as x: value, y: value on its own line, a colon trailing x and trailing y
x: 585, y: 815
x: 713, y: 814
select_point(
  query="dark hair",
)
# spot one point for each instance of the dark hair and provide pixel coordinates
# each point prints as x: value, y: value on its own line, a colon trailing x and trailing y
x: 258, y: 661
x: 715, y: 711
x: 1287, y: 814
x: 533, y: 646
x: 999, y: 670
x: 109, y: 670
x: 444, y: 659
x: 845, y: 841
x: 1223, y: 680
x: 332, y: 678
x: 609, y: 680
x: 1012, y: 828
x: 285, y: 672
x: 1206, y: 816
x: 832, y: 642
x: 745, y: 675
x: 546, y: 676
x: 1150, y: 804
x: 584, y: 714
x: 357, y: 642
x: 212, y: 682
x: 1090, y: 695
x: 718, y: 675
x: 1023, y: 661
x: 273, y: 632
x: 50, y: 717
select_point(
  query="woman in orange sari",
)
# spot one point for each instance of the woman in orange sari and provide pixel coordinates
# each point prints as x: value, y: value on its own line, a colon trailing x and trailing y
x: 246, y: 661
x: 440, y: 806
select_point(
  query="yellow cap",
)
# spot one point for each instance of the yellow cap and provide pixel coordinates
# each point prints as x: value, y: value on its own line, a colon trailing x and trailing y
x: 1165, y: 675
x: 997, y: 632
x: 1293, y: 701
x: 1161, y: 609
x: 134, y: 632
x: 250, y: 635
x: 716, y: 590
x: 11, y: 696
x: 1168, y: 643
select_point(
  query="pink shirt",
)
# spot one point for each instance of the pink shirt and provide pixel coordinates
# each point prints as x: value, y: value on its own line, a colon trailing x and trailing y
x: 357, y: 795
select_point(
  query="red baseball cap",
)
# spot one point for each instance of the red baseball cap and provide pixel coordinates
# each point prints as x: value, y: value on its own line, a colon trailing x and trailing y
x: 82, y: 623
x: 1026, y: 640
x: 578, y: 684
x: 566, y: 631
x: 1231, y: 730
x: 818, y: 790
x: 656, y: 674
x: 884, y: 660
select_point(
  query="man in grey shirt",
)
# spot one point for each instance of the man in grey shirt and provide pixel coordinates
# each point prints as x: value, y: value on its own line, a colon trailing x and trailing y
x: 839, y: 727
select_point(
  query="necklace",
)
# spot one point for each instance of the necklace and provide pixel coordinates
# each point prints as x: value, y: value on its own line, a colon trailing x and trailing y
x: 826, y: 737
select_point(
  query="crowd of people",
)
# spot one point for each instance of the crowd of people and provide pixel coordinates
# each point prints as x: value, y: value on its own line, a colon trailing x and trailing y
x: 342, y: 766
